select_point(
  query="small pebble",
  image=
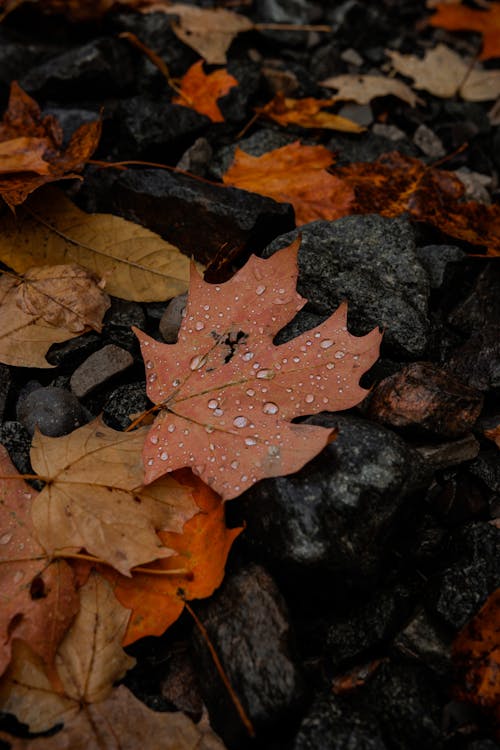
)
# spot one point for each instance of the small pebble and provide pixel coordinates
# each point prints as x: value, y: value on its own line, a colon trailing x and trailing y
x: 100, y: 367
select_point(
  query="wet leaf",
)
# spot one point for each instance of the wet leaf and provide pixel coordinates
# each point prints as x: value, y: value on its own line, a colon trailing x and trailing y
x: 363, y: 88
x: 200, y: 91
x: 227, y: 394
x: 463, y: 18
x: 39, y: 599
x: 135, y: 263
x: 307, y: 113
x: 23, y: 155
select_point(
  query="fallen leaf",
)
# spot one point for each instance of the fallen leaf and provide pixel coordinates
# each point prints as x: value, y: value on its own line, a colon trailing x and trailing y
x: 494, y: 434
x: 74, y: 10
x: 93, y: 497
x: 363, y: 88
x: 47, y: 305
x: 445, y: 74
x: 23, y: 123
x: 200, y: 91
x: 462, y: 18
x: 136, y: 264
x: 294, y: 174
x: 201, y: 551
x: 476, y: 654
x: 227, y: 394
x: 39, y: 599
x: 307, y: 113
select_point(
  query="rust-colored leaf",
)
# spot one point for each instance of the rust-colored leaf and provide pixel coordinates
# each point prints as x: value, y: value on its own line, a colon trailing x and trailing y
x: 200, y: 91
x: 308, y: 113
x: 463, y: 18
x: 23, y: 129
x: 227, y: 395
x: 39, y: 599
x: 201, y: 551
x: 294, y: 174
x: 494, y: 434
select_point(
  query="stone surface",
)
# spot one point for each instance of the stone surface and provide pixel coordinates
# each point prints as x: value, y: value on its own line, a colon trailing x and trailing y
x: 370, y: 261
x: 442, y: 455
x: 5, y: 383
x: 426, y: 641
x: 100, y: 367
x: 477, y: 362
x: 435, y: 260
x: 481, y: 308
x: 118, y: 323
x: 247, y: 623
x: 125, y: 401
x: 365, y: 147
x: 55, y: 411
x: 172, y: 318
x: 180, y: 685
x: 424, y: 396
x: 196, y: 158
x: 428, y: 142
x: 258, y: 143
x: 196, y: 216
x: 16, y: 438
x: 487, y: 468
x: 68, y: 355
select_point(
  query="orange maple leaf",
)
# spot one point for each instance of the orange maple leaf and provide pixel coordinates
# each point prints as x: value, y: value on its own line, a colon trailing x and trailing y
x: 462, y: 18
x: 200, y: 91
x: 31, y: 150
x: 307, y: 113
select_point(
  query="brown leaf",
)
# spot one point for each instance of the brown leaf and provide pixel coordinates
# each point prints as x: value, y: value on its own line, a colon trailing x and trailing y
x: 39, y: 599
x: 48, y: 305
x: 363, y: 88
x: 200, y: 91
x: 228, y: 395
x: 23, y: 154
x: 307, y: 113
x: 462, y: 18
x: 93, y: 498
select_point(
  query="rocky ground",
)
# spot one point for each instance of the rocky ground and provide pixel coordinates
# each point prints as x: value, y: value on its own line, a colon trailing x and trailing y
x: 380, y: 550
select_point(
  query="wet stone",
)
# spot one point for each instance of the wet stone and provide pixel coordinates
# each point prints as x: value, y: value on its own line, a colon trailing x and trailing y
x: 247, y: 623
x: 427, y: 641
x: 180, y: 685
x: 424, y: 396
x: 365, y: 147
x: 372, y: 262
x: 172, y: 318
x: 234, y: 105
x: 72, y: 353
x: 124, y: 404
x: 435, y: 260
x: 16, y: 439
x: 477, y: 362
x: 55, y: 411
x: 486, y: 467
x: 196, y: 158
x: 118, y: 323
x: 100, y: 367
x: 481, y: 308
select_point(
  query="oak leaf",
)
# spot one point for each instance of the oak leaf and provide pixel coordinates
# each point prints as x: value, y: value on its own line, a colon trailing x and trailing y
x: 201, y: 551
x: 200, y: 91
x: 136, y: 264
x: 227, y: 394
x: 94, y: 499
x: 39, y: 599
x: 294, y: 174
x: 363, y: 88
x: 307, y: 113
x: 24, y: 125
x: 47, y: 305
x: 462, y: 18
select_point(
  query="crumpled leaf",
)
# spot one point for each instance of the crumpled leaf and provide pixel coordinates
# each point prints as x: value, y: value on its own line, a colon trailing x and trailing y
x: 444, y: 73
x: 462, y: 18
x: 294, y: 174
x: 48, y: 305
x: 23, y: 154
x: 94, y: 500
x: 136, y: 264
x: 476, y: 654
x: 201, y: 551
x: 227, y: 394
x: 307, y: 113
x: 363, y: 88
x: 494, y: 434
x: 200, y: 91
x: 39, y: 599
x: 23, y: 122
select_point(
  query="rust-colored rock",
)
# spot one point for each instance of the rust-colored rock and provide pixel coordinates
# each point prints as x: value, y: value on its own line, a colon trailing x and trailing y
x: 422, y: 395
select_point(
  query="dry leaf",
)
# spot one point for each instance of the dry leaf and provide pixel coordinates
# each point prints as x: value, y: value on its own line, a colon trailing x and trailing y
x: 444, y: 73
x: 48, y: 305
x: 227, y: 394
x: 39, y: 599
x: 136, y: 264
x: 494, y: 434
x: 462, y: 18
x: 23, y: 123
x: 201, y: 91
x: 201, y: 551
x: 93, y: 498
x: 363, y: 88
x: 294, y: 174
x: 307, y: 113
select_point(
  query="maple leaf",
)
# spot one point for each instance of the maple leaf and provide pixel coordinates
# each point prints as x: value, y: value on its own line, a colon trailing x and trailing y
x: 93, y: 497
x: 462, y: 18
x: 307, y: 113
x: 200, y: 91
x: 47, y: 305
x: 23, y: 127
x: 39, y: 599
x: 294, y: 174
x: 226, y: 393
x: 363, y: 88
x: 201, y: 551
x: 494, y: 434
x: 136, y: 264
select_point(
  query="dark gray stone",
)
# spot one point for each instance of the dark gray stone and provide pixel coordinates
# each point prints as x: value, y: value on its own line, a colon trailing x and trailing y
x: 435, y: 259
x: 477, y: 362
x: 365, y: 147
x: 370, y: 261
x: 481, y: 308
x: 123, y: 402
x: 18, y: 55
x: 487, y: 468
x: 235, y: 104
x: 196, y: 158
x: 17, y: 440
x: 285, y: 11
x: 172, y: 318
x: 72, y: 353
x: 360, y: 113
x: 258, y: 143
x: 5, y: 383
x: 426, y: 641
x: 199, y: 217
x: 336, y: 514
x: 54, y: 411
x: 247, y: 623
x: 99, y: 368
x: 118, y: 323
x: 442, y: 455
